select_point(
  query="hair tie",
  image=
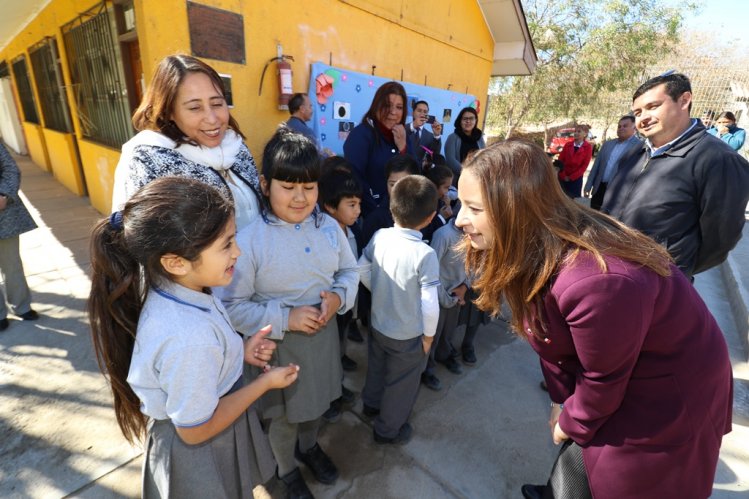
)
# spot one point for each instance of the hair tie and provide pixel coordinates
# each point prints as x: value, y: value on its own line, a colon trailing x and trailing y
x: 115, y: 221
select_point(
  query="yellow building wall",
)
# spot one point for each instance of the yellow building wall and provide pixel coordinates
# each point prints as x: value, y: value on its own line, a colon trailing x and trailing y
x: 35, y: 144
x: 445, y: 44
x: 52, y: 150
x: 98, y: 166
x: 63, y: 159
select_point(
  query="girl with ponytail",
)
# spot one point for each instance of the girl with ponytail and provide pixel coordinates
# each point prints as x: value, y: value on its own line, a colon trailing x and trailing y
x: 168, y: 349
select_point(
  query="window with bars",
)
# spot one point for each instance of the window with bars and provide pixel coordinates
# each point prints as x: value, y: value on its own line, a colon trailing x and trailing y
x: 23, y: 84
x: 45, y: 62
x: 97, y: 77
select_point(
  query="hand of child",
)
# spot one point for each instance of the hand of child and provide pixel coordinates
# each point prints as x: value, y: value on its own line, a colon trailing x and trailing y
x: 280, y: 377
x: 446, y: 211
x: 331, y: 302
x: 304, y: 319
x: 426, y: 343
x: 460, y: 293
x: 258, y: 349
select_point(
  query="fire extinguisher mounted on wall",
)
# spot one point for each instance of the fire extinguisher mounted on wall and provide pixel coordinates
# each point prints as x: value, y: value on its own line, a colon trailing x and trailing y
x: 284, y: 78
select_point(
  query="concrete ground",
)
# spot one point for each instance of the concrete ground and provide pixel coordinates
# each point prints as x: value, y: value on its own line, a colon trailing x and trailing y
x: 482, y: 436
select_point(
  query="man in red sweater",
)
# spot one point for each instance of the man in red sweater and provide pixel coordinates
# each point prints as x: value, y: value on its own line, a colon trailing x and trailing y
x: 574, y: 159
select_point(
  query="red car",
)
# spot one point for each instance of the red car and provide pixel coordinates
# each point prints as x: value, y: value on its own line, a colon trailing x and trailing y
x: 562, y: 136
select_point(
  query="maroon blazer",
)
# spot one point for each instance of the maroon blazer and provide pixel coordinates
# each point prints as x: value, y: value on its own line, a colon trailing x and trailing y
x: 643, y: 371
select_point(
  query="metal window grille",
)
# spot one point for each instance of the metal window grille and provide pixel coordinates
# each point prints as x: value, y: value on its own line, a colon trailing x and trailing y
x: 45, y: 63
x: 96, y: 73
x: 23, y: 84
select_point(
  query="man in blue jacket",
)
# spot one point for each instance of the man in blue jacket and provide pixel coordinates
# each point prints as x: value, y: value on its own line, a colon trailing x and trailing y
x: 607, y: 161
x: 683, y: 187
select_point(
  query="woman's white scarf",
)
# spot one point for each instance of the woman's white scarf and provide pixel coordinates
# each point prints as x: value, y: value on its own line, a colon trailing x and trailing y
x: 220, y: 157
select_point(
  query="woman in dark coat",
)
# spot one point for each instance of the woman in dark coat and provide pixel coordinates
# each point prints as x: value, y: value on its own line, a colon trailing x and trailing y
x: 637, y: 368
x: 380, y: 136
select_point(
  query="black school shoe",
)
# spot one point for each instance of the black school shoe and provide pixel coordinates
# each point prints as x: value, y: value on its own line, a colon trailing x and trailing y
x: 319, y: 464
x: 370, y: 412
x: 353, y: 333
x: 402, y: 438
x: 431, y: 381
x: 348, y: 364
x: 4, y: 324
x: 347, y: 396
x: 296, y: 487
x: 469, y: 357
x: 31, y: 315
x: 452, y: 365
x: 533, y: 491
x: 333, y: 414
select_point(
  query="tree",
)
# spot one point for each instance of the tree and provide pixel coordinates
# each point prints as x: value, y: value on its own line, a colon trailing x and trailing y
x: 588, y: 54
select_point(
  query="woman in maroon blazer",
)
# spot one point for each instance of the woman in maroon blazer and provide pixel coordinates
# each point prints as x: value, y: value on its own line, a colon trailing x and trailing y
x: 636, y: 366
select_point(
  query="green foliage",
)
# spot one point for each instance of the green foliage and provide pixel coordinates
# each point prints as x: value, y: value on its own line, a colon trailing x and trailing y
x: 590, y: 55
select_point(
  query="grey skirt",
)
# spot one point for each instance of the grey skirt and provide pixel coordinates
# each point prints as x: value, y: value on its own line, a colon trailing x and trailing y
x: 319, y: 383
x: 227, y: 466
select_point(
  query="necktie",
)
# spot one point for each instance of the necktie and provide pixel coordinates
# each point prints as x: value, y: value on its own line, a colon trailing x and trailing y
x: 418, y: 134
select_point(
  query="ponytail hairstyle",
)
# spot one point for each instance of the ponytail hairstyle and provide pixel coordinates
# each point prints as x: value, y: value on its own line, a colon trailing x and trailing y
x: 173, y: 215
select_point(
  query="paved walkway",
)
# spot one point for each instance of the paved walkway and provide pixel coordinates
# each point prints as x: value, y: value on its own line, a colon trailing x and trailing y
x: 482, y: 436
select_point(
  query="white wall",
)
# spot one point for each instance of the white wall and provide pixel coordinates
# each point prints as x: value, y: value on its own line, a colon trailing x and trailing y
x: 10, y: 126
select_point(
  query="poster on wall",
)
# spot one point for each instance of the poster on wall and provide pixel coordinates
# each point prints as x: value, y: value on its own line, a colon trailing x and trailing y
x: 340, y: 98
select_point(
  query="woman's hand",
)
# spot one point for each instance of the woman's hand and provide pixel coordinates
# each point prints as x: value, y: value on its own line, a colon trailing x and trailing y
x: 399, y: 136
x: 331, y: 302
x: 558, y: 435
x: 280, y: 377
x: 258, y: 349
x: 305, y: 319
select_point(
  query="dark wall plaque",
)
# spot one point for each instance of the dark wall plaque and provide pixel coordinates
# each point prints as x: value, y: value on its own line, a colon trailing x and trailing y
x: 215, y: 33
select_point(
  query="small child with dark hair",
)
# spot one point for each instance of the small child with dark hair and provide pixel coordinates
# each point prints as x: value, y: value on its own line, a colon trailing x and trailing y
x: 337, y: 163
x: 340, y: 197
x: 396, y: 168
x: 403, y: 274
x: 442, y: 178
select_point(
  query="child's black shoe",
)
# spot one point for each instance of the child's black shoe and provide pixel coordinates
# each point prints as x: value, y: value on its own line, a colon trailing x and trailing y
x: 319, y: 464
x: 402, y: 438
x: 353, y: 333
x: 431, y: 381
x: 296, y: 487
x: 348, y: 364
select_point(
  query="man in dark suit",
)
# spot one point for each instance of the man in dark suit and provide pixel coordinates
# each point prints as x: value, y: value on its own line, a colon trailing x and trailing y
x: 419, y: 136
x: 607, y: 161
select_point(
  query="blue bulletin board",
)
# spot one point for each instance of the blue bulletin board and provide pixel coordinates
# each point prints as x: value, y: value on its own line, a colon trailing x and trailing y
x: 340, y: 99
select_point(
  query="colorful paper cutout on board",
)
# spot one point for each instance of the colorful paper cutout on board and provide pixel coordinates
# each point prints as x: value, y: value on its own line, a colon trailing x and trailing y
x: 341, y: 110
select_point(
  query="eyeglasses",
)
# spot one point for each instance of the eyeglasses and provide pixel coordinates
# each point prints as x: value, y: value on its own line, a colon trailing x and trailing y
x: 468, y: 119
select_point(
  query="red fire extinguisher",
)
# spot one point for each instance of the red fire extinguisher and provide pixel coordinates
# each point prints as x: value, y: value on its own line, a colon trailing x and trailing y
x: 284, y: 76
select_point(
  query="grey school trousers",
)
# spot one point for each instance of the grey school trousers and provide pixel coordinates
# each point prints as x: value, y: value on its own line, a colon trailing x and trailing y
x: 11, y: 272
x: 394, y: 370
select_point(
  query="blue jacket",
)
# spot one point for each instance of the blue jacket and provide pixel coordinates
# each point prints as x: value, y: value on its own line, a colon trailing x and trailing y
x: 734, y: 138
x: 368, y: 151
